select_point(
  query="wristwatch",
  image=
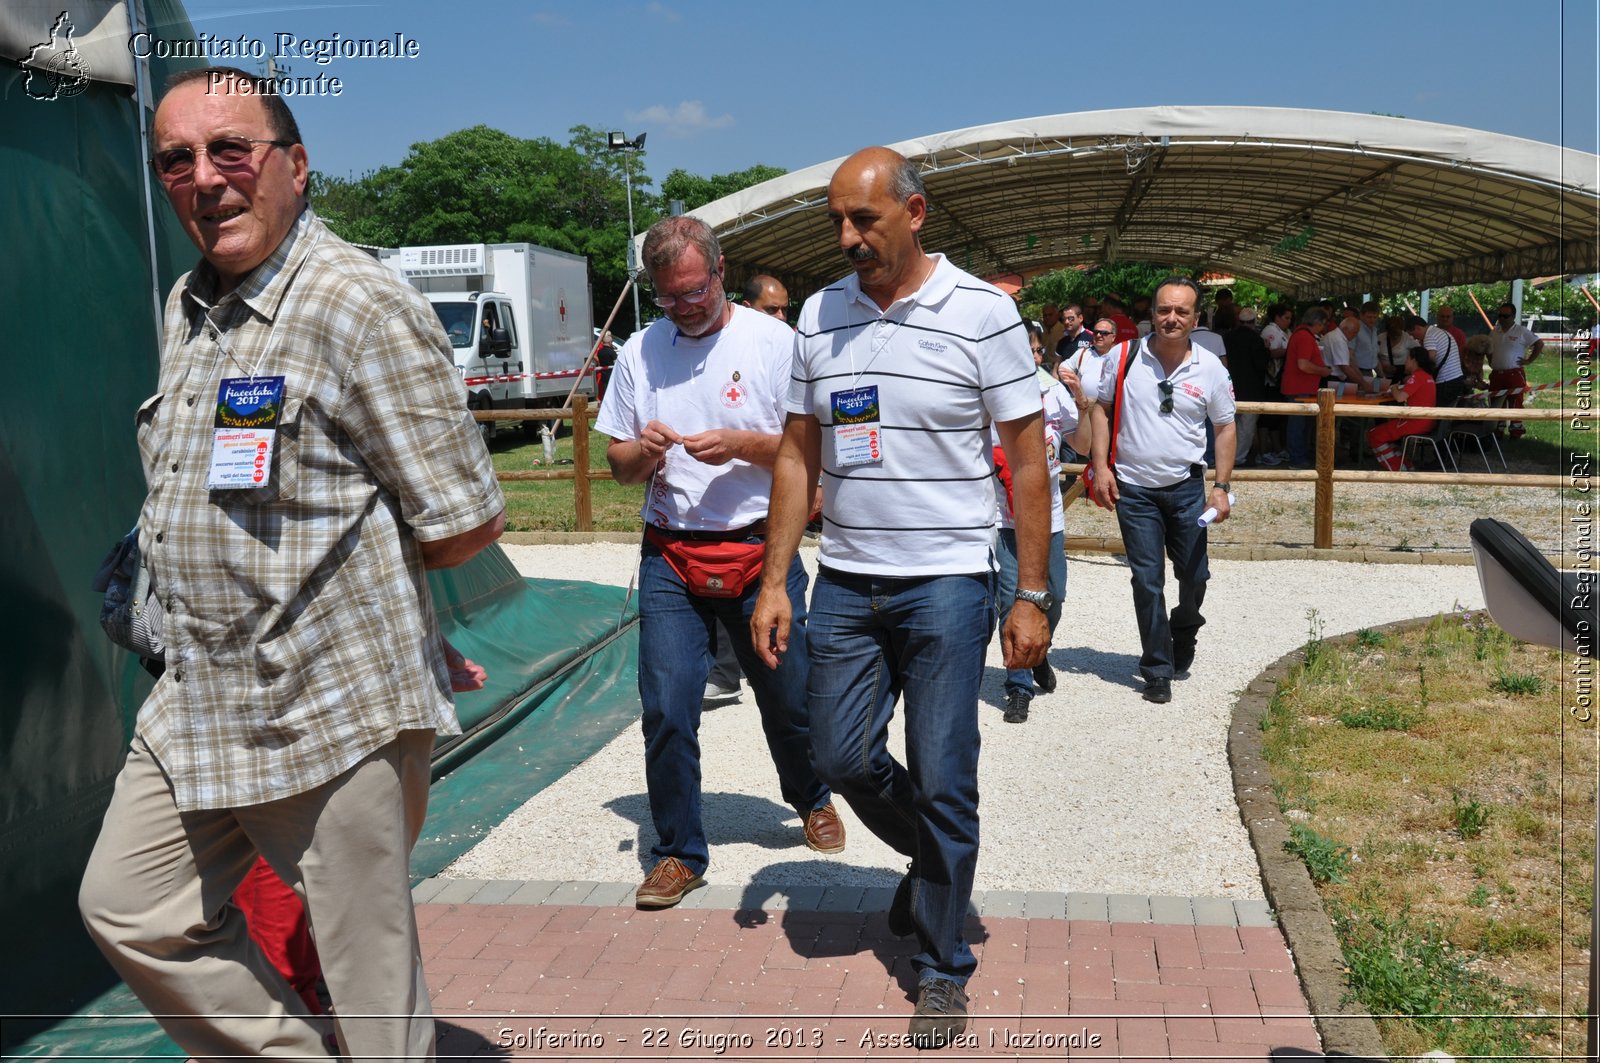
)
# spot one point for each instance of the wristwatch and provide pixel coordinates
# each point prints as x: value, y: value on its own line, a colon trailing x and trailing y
x: 1041, y: 600
x: 1223, y: 485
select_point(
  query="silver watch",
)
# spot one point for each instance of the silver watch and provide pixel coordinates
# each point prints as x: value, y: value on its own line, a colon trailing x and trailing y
x: 1042, y: 600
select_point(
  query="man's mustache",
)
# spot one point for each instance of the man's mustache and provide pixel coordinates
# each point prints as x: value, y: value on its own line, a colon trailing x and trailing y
x: 860, y: 253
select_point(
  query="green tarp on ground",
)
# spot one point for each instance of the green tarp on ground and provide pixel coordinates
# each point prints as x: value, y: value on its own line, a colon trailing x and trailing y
x: 90, y: 250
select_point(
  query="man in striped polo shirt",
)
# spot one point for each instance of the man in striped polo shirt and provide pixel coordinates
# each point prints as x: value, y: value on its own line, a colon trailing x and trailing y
x: 898, y: 372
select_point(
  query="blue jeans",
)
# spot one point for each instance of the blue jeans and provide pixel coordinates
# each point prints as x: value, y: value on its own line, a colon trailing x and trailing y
x: 676, y: 636
x: 1299, y: 433
x: 1005, y: 551
x: 925, y: 638
x: 1156, y: 521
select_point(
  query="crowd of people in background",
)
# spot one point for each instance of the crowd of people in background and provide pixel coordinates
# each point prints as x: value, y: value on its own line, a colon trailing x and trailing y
x: 1278, y: 353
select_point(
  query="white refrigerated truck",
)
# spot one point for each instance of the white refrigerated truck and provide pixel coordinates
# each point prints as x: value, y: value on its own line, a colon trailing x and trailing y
x: 517, y: 316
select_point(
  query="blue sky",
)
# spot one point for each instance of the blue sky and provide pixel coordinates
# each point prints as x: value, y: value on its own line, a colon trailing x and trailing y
x: 719, y: 87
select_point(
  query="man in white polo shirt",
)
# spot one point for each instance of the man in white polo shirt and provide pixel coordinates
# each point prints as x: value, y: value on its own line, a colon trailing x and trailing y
x: 898, y: 372
x: 695, y: 411
x: 1514, y: 347
x: 1153, y: 476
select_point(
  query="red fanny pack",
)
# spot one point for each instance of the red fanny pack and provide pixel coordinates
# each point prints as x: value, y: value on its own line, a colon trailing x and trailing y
x: 710, y: 569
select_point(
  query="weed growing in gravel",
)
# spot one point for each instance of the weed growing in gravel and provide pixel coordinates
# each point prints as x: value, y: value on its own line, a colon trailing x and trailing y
x: 1471, y: 817
x: 1313, y: 639
x: 1518, y: 684
x: 1382, y: 716
x: 1326, y: 859
x: 1369, y: 639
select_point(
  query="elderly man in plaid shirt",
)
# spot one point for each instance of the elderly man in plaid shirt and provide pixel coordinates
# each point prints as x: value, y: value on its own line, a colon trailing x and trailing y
x: 306, y: 677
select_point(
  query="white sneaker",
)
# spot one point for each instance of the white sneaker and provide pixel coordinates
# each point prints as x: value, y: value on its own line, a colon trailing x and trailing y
x: 718, y: 693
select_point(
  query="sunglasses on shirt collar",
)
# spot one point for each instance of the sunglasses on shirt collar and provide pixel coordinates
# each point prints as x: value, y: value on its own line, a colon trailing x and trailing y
x: 1166, y: 395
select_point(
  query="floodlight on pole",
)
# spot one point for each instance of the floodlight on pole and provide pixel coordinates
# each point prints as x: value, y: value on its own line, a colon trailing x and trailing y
x: 618, y: 141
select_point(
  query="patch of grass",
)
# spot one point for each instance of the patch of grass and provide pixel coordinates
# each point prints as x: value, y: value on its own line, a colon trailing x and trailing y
x: 1325, y: 858
x: 1475, y: 822
x: 1518, y: 684
x: 1382, y: 716
x: 1369, y: 639
x: 1411, y: 974
x: 1503, y: 938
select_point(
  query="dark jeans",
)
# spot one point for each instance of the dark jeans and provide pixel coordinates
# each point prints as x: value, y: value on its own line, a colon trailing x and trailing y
x: 925, y: 637
x: 1299, y: 433
x: 675, y: 639
x: 1155, y: 522
x: 1005, y: 551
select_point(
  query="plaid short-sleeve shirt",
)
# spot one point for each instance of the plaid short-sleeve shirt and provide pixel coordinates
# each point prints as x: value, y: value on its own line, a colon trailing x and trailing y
x: 301, y: 634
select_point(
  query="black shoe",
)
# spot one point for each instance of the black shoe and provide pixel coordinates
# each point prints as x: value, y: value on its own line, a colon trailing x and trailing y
x: 1044, y: 677
x: 1182, y: 655
x: 900, y: 922
x: 1016, y: 707
x: 1158, y: 691
x: 941, y: 1014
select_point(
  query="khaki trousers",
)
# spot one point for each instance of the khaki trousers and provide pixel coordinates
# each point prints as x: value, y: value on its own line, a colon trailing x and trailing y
x: 155, y: 898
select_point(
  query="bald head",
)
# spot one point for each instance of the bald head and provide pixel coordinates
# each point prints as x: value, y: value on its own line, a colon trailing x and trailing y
x: 767, y: 294
x: 877, y: 205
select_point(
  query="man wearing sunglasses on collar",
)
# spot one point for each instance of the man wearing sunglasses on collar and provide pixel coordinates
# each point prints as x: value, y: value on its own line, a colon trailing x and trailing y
x: 309, y: 454
x: 1153, y: 473
x: 695, y: 412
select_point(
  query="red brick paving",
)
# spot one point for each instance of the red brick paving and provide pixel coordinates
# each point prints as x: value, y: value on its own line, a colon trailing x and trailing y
x: 549, y: 982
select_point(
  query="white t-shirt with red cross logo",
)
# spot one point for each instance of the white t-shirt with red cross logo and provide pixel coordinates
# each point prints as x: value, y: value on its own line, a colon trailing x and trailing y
x: 734, y: 378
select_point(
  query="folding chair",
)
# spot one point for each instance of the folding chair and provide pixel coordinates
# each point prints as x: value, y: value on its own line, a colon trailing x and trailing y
x: 1433, y: 438
x: 1477, y: 432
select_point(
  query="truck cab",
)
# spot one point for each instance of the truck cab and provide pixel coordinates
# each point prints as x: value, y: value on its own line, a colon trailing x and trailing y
x: 484, y: 339
x: 517, y: 317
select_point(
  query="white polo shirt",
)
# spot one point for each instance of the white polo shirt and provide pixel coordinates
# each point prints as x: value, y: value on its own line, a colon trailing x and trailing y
x: 944, y: 361
x: 1156, y: 449
x: 1335, y: 348
x: 733, y: 378
x: 1511, y: 347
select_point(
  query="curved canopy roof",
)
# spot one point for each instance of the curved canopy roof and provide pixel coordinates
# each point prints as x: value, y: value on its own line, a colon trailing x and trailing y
x: 1310, y: 202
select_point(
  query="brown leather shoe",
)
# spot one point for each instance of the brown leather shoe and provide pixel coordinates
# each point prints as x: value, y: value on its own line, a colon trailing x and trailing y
x: 666, y: 884
x: 825, y: 831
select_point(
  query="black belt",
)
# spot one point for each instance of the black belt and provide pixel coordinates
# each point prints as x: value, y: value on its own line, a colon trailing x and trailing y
x: 749, y: 531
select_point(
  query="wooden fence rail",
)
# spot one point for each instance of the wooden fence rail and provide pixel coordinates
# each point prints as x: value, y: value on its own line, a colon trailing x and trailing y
x: 1326, y: 410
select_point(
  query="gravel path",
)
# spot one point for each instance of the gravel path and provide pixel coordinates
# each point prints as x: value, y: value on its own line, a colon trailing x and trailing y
x: 1098, y: 792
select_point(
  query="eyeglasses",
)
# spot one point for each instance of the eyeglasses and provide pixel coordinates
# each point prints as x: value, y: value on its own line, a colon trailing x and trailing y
x: 1166, y: 395
x: 225, y: 153
x: 694, y: 298
x: 1037, y: 351
x: 1105, y: 333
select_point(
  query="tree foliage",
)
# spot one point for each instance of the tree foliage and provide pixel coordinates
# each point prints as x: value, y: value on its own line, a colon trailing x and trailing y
x: 481, y: 185
x: 696, y: 191
x: 1127, y: 279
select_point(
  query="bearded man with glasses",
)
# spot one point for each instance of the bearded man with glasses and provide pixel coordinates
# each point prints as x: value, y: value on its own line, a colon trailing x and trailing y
x: 309, y: 454
x: 1152, y: 473
x: 695, y: 412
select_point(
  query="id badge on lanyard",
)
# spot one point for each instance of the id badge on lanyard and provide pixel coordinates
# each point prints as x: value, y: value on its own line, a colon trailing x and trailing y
x: 857, y: 427
x: 245, y: 432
